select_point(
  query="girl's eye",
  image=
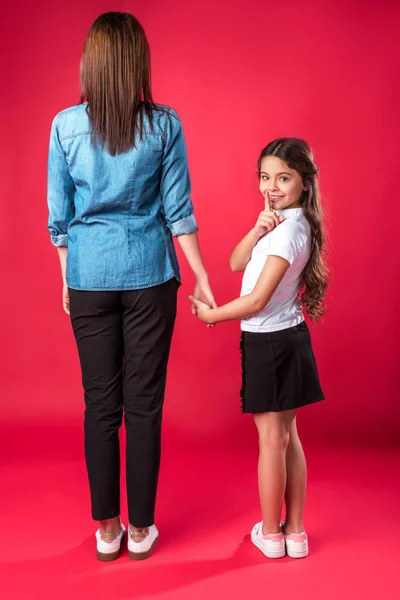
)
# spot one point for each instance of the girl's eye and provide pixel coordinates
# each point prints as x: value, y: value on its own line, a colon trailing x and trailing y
x: 284, y: 178
x: 264, y: 177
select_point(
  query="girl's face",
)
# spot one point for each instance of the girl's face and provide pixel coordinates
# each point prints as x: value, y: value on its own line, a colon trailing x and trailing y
x: 280, y: 185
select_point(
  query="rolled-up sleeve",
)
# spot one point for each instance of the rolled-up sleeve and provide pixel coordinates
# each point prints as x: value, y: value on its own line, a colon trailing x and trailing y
x: 60, y: 191
x: 175, y: 180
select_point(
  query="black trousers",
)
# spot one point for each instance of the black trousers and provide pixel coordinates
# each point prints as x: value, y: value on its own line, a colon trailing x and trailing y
x: 123, y: 340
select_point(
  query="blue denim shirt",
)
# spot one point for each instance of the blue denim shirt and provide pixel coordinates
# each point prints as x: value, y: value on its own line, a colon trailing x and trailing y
x: 117, y: 214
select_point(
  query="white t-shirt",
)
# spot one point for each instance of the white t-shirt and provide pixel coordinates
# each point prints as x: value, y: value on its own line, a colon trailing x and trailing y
x: 291, y: 240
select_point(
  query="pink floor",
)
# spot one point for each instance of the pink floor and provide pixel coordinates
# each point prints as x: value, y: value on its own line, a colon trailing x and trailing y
x: 207, y: 506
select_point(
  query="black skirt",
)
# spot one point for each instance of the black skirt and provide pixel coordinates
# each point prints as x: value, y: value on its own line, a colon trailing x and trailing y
x: 279, y: 371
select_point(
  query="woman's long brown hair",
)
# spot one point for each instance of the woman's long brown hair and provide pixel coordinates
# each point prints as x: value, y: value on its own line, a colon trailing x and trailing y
x: 298, y: 156
x: 116, y: 81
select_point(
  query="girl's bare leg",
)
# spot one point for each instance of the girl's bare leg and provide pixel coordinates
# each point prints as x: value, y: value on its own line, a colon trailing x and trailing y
x: 296, y: 482
x: 273, y: 433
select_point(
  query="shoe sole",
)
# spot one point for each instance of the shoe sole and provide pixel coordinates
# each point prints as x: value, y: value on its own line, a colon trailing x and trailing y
x: 109, y: 556
x: 143, y: 555
x: 297, y: 553
x: 268, y: 554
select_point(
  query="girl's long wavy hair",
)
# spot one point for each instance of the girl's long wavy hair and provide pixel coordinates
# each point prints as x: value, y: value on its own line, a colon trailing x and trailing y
x: 116, y: 81
x: 296, y: 153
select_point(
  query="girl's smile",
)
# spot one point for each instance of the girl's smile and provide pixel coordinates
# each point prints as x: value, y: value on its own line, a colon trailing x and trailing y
x: 275, y: 197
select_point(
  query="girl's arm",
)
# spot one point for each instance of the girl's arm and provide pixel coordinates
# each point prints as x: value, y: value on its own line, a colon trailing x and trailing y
x: 241, y: 255
x: 269, y: 279
x: 242, y: 252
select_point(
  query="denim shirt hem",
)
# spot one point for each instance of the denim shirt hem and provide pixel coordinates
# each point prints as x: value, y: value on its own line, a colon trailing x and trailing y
x: 123, y: 288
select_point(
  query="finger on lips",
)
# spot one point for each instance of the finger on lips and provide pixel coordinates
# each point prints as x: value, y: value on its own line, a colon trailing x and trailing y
x: 269, y: 220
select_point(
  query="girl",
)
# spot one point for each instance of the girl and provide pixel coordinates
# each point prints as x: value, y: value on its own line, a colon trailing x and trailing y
x: 118, y: 190
x: 280, y: 256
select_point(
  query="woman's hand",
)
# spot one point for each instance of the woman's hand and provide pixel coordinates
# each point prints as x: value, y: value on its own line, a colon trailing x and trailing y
x: 65, y: 298
x: 267, y: 221
x: 203, y: 292
x: 202, y: 309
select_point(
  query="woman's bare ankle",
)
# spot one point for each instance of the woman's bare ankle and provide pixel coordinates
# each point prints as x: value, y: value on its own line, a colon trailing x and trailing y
x: 138, y: 533
x: 110, y: 526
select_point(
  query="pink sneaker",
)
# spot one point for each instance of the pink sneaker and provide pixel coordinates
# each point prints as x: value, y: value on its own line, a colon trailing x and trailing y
x: 272, y: 545
x: 296, y: 543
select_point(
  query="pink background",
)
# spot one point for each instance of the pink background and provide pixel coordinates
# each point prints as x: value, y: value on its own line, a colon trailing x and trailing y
x: 239, y: 74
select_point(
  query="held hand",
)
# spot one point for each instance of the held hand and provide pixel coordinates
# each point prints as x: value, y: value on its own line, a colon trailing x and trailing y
x: 201, y: 308
x: 267, y: 221
x: 203, y: 292
x: 65, y: 298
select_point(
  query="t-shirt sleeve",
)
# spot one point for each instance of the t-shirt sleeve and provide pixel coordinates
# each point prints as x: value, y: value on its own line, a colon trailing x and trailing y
x: 287, y: 240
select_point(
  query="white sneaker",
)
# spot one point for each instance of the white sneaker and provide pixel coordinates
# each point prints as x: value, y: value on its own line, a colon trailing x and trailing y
x: 272, y: 545
x: 143, y: 548
x: 109, y: 550
x: 296, y: 543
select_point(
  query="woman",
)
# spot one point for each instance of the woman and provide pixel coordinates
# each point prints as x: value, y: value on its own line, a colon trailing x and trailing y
x: 118, y: 190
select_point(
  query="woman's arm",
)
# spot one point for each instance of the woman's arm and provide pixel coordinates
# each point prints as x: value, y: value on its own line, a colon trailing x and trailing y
x: 177, y: 206
x: 60, y: 190
x: 191, y: 249
x: 241, y: 254
x: 270, y: 277
x: 62, y: 255
x: 60, y: 198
